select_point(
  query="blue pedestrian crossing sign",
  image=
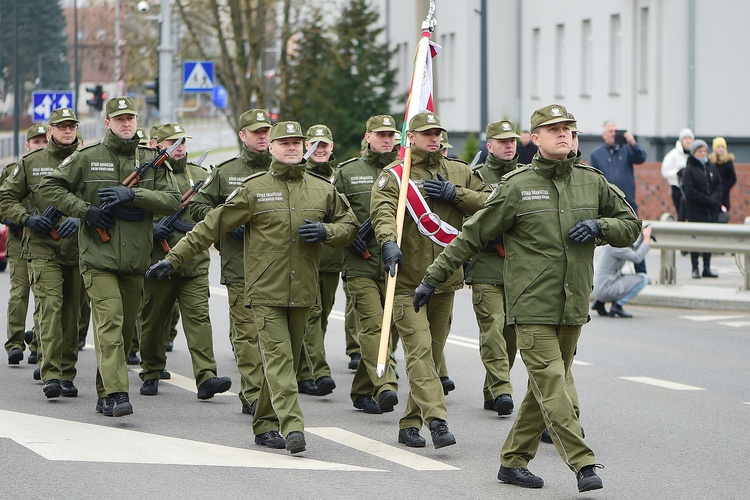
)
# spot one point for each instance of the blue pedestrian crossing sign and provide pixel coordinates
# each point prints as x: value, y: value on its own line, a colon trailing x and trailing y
x: 45, y: 102
x: 198, y: 76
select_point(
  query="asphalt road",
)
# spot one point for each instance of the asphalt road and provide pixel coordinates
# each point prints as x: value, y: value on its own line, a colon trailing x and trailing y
x: 664, y: 404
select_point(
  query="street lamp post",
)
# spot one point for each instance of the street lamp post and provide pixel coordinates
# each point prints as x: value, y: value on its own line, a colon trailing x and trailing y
x: 166, y: 71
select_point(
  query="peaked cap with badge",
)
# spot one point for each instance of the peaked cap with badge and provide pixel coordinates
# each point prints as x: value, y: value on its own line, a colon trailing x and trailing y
x: 381, y: 123
x: 426, y: 120
x: 286, y: 130
x: 35, y: 130
x: 121, y: 106
x: 319, y: 133
x: 501, y: 130
x: 255, y: 119
x: 548, y: 115
x: 171, y: 131
x: 62, y: 115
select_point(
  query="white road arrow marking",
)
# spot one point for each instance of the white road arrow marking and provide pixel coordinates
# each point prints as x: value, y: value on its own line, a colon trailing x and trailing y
x: 56, y: 439
x: 381, y: 450
x: 663, y: 383
x: 713, y: 318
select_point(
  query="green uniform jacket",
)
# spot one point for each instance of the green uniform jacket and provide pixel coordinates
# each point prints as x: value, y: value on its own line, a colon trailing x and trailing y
x: 186, y: 175
x: 330, y: 258
x: 548, y: 277
x: 273, y: 205
x: 487, y: 266
x: 21, y: 190
x: 221, y: 182
x: 354, y: 179
x: 418, y: 250
x: 103, y: 164
x: 13, y: 245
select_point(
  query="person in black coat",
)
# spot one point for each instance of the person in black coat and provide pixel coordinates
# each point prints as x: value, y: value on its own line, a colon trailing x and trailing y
x: 703, y: 189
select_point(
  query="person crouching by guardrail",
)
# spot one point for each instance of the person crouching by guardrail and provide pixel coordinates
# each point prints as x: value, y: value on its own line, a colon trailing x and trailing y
x: 611, y: 285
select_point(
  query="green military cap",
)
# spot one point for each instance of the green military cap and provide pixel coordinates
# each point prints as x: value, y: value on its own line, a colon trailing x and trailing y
x: 285, y: 130
x: 444, y: 140
x: 154, y: 130
x: 62, y: 115
x: 35, y: 130
x: 426, y: 120
x: 573, y: 126
x: 142, y: 139
x: 255, y: 119
x: 381, y: 123
x: 554, y: 113
x: 319, y: 133
x: 171, y: 131
x: 501, y: 130
x: 121, y: 106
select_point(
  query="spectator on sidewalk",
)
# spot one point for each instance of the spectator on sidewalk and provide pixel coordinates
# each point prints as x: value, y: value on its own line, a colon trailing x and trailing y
x: 724, y: 161
x: 672, y: 164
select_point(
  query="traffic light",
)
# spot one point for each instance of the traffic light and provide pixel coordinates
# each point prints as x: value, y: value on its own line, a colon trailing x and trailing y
x: 97, y: 97
x: 154, y: 87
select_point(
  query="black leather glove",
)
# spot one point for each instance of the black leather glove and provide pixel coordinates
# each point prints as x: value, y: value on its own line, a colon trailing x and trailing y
x: 440, y: 189
x: 585, y: 230
x: 160, y: 270
x: 312, y: 232
x: 422, y: 294
x: 238, y: 233
x: 161, y: 232
x: 69, y: 227
x: 13, y: 226
x: 40, y: 224
x: 115, y: 195
x: 392, y: 256
x: 358, y: 246
x: 96, y: 217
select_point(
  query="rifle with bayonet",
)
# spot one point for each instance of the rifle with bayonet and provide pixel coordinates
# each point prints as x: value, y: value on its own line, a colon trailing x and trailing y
x: 171, y: 220
x: 137, y: 174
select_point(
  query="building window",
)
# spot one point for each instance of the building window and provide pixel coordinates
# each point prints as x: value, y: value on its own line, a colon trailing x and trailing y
x: 587, y: 59
x: 535, y: 42
x: 404, y: 65
x: 446, y: 64
x: 643, y: 59
x: 615, y: 55
x: 560, y: 61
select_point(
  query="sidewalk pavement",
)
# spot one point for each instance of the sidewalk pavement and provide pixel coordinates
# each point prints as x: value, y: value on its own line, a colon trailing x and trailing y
x: 723, y: 293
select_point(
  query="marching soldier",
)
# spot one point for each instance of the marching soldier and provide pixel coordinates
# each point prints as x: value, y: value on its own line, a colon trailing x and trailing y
x: 551, y: 214
x: 450, y: 191
x: 113, y: 269
x: 221, y: 182
x: 497, y: 342
x: 287, y: 213
x: 52, y: 251
x: 18, y: 300
x: 188, y: 288
x: 365, y: 278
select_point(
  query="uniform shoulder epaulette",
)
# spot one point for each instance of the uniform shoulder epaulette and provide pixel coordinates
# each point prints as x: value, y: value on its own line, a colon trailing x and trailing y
x: 457, y: 160
x: 516, y: 171
x: 29, y: 153
x: 226, y: 161
x: 196, y: 165
x: 588, y: 167
x: 476, y: 167
x: 89, y: 146
x: 321, y: 177
x: 253, y: 176
x: 350, y: 160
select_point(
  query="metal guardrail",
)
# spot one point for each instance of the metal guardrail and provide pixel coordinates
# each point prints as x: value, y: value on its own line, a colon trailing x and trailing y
x: 674, y: 236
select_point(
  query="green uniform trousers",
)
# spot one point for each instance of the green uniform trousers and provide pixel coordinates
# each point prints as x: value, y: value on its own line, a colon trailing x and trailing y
x: 159, y: 297
x: 423, y: 336
x: 281, y: 332
x: 244, y: 337
x: 547, y: 351
x: 115, y: 300
x: 317, y: 326
x: 84, y: 320
x: 368, y: 297
x: 18, y: 303
x: 57, y: 295
x: 497, y: 342
x: 350, y: 323
x: 173, y: 322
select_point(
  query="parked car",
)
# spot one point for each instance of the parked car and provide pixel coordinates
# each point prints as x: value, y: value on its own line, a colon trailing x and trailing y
x: 3, y: 247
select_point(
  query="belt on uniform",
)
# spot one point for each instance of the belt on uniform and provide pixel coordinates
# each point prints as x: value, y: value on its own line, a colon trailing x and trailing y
x: 128, y: 214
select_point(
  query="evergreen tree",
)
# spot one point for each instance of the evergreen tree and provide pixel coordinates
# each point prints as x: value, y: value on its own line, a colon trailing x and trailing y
x: 41, y: 38
x: 471, y: 146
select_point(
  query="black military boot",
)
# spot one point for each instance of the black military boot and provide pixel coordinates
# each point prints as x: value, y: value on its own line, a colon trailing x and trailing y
x: 368, y: 405
x: 105, y: 406
x: 325, y: 385
x: 15, y: 356
x: 271, y: 439
x: 441, y: 436
x: 52, y: 388
x: 587, y: 478
x: 122, y: 404
x: 68, y: 389
x: 411, y: 438
x: 520, y: 476
x: 448, y: 385
x: 504, y: 405
x: 214, y: 385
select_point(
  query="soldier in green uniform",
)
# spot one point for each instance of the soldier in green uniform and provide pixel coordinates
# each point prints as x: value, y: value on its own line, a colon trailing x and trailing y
x: 18, y: 299
x: 497, y: 342
x: 221, y: 182
x: 450, y: 191
x: 365, y: 278
x: 314, y: 366
x: 188, y: 287
x: 53, y: 262
x: 551, y: 214
x: 287, y: 213
x: 113, y: 269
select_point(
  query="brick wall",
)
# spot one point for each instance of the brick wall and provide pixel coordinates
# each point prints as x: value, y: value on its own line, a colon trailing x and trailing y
x: 654, y: 195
